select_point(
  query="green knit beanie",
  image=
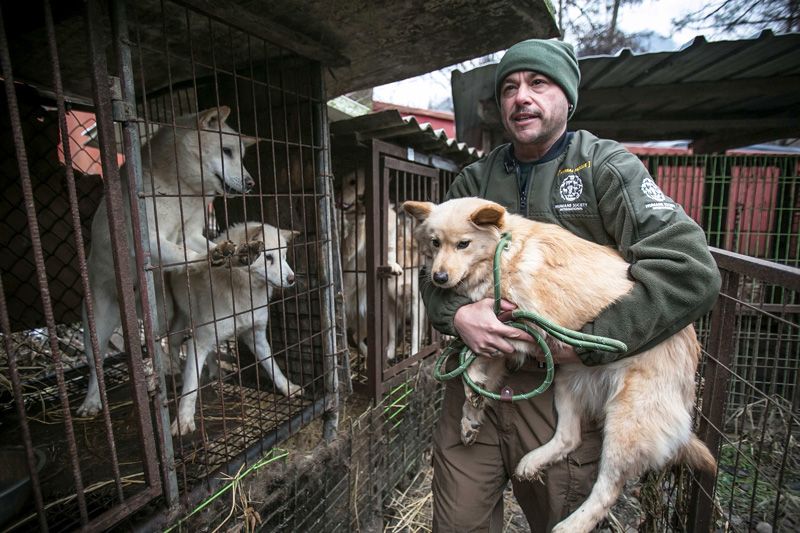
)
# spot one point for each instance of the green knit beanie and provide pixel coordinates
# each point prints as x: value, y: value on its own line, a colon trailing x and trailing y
x: 555, y: 59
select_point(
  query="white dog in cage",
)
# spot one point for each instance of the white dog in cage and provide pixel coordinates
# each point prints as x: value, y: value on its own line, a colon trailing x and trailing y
x: 184, y: 168
x: 402, y: 264
x: 225, y: 303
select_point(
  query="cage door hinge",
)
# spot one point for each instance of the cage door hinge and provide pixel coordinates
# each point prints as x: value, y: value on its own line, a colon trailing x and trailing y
x: 121, y: 111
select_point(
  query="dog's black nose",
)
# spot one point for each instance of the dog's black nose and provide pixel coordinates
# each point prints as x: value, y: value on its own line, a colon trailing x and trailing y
x: 249, y: 183
x: 440, y: 277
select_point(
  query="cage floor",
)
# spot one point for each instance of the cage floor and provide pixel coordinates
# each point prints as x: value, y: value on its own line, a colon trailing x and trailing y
x: 234, y: 418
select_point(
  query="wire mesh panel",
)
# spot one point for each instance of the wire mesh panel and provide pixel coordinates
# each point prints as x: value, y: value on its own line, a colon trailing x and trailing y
x: 748, y: 204
x: 747, y: 413
x: 387, y: 327
x: 184, y: 204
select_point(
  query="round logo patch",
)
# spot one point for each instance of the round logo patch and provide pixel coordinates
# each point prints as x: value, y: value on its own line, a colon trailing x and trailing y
x: 571, y: 188
x: 652, y: 191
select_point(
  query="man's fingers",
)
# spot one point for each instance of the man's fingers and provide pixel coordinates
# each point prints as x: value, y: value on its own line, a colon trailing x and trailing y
x: 509, y: 332
x: 505, y: 305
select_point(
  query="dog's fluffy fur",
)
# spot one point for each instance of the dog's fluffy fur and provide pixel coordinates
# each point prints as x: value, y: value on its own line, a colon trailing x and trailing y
x: 196, y: 163
x: 402, y: 285
x: 645, y: 401
x: 223, y: 303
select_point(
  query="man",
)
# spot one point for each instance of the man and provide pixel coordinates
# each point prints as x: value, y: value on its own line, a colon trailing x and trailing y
x: 601, y: 192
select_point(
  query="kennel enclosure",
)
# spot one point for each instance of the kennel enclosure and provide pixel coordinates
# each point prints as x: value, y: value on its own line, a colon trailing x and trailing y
x: 98, y: 79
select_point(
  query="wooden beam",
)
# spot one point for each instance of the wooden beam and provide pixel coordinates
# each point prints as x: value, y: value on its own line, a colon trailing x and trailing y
x: 741, y: 88
x: 234, y: 15
x: 685, y: 129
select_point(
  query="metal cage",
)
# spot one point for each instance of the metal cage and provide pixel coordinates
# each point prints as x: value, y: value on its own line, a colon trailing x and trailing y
x: 109, y: 96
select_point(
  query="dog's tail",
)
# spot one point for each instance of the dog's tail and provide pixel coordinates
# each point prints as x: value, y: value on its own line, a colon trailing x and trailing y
x: 697, y: 455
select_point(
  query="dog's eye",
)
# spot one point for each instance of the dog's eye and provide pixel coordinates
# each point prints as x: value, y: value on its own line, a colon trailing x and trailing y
x: 462, y: 244
x: 435, y: 242
x: 270, y: 258
x: 228, y: 152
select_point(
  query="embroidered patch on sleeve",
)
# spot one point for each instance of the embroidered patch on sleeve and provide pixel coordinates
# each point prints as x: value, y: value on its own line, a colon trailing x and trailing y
x: 652, y: 191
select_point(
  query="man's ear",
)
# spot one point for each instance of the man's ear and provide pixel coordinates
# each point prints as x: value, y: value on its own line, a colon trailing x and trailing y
x: 491, y: 214
x: 418, y: 210
x: 214, y: 118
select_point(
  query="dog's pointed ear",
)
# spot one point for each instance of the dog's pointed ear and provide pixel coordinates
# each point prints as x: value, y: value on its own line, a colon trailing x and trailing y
x: 214, y: 118
x: 289, y: 234
x: 418, y: 210
x: 491, y: 214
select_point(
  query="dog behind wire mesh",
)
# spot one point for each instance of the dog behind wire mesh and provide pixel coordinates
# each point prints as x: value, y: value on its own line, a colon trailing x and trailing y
x: 644, y: 401
x: 218, y: 304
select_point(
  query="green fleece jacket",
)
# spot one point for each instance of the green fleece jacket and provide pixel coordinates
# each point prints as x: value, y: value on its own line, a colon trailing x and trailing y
x: 599, y: 191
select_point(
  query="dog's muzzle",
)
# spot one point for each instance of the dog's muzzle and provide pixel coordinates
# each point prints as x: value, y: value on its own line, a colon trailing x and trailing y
x: 249, y: 183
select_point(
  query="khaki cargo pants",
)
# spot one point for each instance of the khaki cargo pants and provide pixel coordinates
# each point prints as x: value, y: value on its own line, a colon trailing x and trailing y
x: 468, y: 482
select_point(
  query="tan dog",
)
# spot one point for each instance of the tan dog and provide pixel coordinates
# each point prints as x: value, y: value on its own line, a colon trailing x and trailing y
x: 212, y: 298
x: 403, y: 267
x: 645, y: 401
x: 197, y: 164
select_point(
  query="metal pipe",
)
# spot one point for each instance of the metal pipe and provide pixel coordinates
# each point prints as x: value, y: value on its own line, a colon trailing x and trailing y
x: 114, y: 197
x: 138, y: 207
x: 329, y: 266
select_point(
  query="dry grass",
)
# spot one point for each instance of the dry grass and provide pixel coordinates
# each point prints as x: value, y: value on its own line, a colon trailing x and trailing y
x: 411, y: 510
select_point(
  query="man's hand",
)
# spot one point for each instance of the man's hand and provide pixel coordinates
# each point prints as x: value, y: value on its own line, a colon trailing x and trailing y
x: 486, y: 334
x: 483, y: 332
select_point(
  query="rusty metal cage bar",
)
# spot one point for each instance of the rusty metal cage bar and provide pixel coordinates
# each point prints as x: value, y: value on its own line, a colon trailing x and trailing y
x: 133, y: 166
x: 19, y: 145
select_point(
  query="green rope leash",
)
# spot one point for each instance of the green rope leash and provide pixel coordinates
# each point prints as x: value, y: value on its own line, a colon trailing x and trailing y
x: 574, y: 338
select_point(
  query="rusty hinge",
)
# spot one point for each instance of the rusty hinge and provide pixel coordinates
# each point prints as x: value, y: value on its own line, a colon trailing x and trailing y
x: 121, y: 111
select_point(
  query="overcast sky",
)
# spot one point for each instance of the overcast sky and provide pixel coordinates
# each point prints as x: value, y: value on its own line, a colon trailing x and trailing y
x: 650, y: 15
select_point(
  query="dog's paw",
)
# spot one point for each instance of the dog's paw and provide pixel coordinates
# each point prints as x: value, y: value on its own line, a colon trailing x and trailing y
x: 469, y: 431
x: 182, y: 426
x: 391, y: 353
x: 89, y: 408
x: 222, y: 253
x: 529, y: 468
x: 294, y: 390
x: 396, y: 269
x: 249, y: 252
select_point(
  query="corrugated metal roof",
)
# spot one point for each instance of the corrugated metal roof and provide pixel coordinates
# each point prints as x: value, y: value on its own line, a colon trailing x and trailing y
x: 362, y: 44
x: 391, y: 127
x: 719, y: 94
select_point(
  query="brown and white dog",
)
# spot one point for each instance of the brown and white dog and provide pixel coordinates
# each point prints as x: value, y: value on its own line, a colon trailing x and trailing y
x: 645, y: 401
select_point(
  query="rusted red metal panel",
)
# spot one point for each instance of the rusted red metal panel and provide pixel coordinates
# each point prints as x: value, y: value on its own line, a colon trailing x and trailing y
x: 685, y: 184
x: 751, y: 209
